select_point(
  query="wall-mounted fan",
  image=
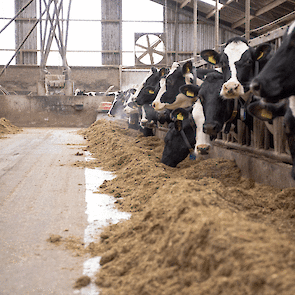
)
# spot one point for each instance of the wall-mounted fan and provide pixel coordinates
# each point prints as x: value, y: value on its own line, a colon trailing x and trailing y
x: 149, y: 48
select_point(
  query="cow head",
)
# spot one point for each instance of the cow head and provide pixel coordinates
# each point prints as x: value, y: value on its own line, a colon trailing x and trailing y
x: 119, y: 103
x: 276, y: 80
x: 169, y: 95
x: 150, y: 87
x: 238, y: 65
x: 177, y: 148
x: 217, y: 110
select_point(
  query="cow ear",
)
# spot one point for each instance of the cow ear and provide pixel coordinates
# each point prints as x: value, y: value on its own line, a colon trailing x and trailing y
x: 267, y: 111
x: 211, y: 56
x: 154, y: 70
x: 262, y: 51
x: 149, y: 90
x: 190, y: 90
x: 187, y: 67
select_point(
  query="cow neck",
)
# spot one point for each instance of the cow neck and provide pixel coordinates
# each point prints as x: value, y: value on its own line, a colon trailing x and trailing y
x: 184, y: 137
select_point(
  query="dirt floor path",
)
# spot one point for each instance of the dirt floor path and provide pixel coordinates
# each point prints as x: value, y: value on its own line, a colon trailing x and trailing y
x: 41, y: 194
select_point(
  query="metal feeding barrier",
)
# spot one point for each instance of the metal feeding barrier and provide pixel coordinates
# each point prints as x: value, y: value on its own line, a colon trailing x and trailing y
x: 265, y: 142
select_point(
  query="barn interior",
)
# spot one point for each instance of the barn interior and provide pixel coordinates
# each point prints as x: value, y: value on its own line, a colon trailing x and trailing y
x: 35, y: 93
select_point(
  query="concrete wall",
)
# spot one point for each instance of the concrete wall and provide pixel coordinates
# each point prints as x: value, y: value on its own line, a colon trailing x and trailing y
x: 24, y: 79
x: 50, y: 111
x: 261, y: 169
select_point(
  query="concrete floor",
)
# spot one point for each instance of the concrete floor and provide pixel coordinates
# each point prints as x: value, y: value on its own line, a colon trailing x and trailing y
x: 41, y: 193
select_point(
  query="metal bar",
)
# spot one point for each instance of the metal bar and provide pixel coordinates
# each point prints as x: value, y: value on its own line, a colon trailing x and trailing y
x: 50, y: 38
x: 176, y: 30
x: 41, y: 33
x: 67, y: 28
x: 42, y: 65
x: 195, y: 29
x: 20, y: 11
x: 216, y: 25
x: 247, y: 19
x: 62, y: 51
x: 166, y: 30
x: 259, y: 152
x: 21, y: 44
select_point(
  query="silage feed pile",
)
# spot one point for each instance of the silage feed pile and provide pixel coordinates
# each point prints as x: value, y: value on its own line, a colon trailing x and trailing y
x: 7, y: 128
x: 199, y: 228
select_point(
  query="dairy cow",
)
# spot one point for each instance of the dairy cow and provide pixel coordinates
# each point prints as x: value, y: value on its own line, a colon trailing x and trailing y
x: 170, y: 97
x: 217, y: 110
x: 240, y: 63
x: 276, y: 85
x: 119, y: 102
x: 277, y: 79
x: 144, y: 99
x: 137, y: 104
x: 83, y: 92
x: 180, y: 138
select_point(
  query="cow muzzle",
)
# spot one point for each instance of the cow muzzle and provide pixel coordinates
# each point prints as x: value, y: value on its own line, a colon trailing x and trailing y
x: 231, y: 90
x: 203, y: 149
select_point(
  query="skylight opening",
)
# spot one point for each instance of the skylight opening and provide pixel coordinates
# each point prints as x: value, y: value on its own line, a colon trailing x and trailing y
x: 213, y: 3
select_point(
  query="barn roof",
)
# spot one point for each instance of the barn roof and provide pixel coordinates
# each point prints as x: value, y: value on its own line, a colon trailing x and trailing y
x: 266, y: 15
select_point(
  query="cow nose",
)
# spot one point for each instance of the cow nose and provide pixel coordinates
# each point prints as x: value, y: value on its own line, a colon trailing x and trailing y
x: 231, y: 87
x: 255, y: 87
x: 203, y: 149
x: 153, y: 104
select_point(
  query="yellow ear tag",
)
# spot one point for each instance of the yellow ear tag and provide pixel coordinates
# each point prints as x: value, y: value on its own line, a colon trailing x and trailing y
x: 188, y: 70
x: 211, y: 59
x: 179, y: 117
x: 190, y: 93
x: 266, y: 114
x: 261, y: 54
x: 151, y: 91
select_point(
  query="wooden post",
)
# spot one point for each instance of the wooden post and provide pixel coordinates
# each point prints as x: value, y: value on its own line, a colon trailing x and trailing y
x: 195, y: 29
x: 166, y: 30
x: 247, y: 19
x: 217, y: 26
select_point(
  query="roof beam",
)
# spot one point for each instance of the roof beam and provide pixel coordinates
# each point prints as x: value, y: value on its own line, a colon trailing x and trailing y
x: 184, y: 3
x: 212, y: 12
x: 259, y: 12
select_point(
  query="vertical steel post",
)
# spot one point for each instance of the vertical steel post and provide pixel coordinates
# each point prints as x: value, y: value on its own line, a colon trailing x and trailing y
x: 195, y: 30
x: 217, y: 26
x: 247, y: 19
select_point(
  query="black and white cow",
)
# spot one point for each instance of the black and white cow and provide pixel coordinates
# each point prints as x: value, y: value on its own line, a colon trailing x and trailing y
x: 275, y: 83
x: 277, y: 79
x: 171, y: 97
x: 138, y: 104
x: 217, y: 110
x: 144, y: 99
x: 83, y: 92
x: 119, y: 102
x: 180, y: 138
x: 239, y: 62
